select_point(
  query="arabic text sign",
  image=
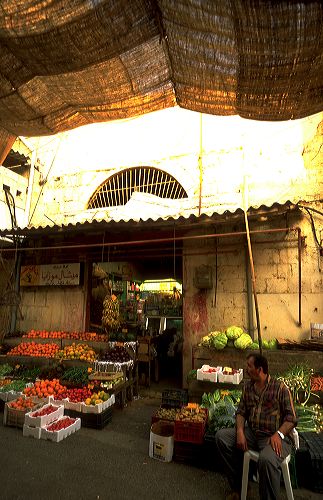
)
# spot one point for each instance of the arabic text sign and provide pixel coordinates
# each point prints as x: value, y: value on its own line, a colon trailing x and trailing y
x: 51, y: 274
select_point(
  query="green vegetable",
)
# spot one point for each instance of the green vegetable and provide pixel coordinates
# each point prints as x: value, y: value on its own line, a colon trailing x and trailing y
x: 272, y: 344
x: 298, y: 380
x: 15, y: 385
x: 234, y: 332
x: 222, y: 406
x: 208, y: 340
x: 309, y: 418
x: 254, y: 346
x: 219, y: 341
x: 192, y: 375
x: 78, y: 375
x: 5, y: 369
x: 243, y: 341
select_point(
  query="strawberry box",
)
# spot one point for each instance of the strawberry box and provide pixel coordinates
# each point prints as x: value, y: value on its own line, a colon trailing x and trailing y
x: 44, y: 415
x: 208, y: 373
x: 56, y: 431
x: 234, y: 377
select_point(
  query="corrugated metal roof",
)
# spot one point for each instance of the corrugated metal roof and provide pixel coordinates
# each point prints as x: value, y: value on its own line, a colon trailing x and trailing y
x: 111, y: 225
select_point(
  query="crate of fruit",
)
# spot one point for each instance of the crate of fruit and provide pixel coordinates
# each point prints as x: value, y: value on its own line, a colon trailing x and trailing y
x: 190, y: 424
x: 44, y: 415
x: 175, y: 398
x: 164, y: 413
x: 60, y: 429
x: 230, y: 375
x: 208, y: 373
x: 15, y: 411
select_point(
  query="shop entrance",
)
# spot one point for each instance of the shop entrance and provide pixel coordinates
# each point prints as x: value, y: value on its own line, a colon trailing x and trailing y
x: 129, y: 303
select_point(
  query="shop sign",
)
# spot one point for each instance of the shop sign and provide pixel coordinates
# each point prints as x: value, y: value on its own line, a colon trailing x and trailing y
x: 50, y: 274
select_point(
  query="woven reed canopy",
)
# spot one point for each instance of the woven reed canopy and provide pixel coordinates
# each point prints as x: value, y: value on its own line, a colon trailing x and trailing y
x: 69, y: 63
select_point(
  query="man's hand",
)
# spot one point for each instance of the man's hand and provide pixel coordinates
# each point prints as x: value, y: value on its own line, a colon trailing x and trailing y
x: 241, y: 440
x: 276, y: 444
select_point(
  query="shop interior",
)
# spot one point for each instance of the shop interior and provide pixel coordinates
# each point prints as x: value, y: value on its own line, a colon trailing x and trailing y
x: 141, y: 300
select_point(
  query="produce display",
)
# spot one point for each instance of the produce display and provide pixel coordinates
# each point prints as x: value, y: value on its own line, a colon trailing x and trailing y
x: 33, y: 349
x: 234, y: 332
x: 243, y: 341
x: 22, y: 404
x: 77, y: 351
x: 75, y: 395
x: 309, y: 418
x: 316, y: 383
x: 12, y: 385
x: 166, y: 413
x: 45, y: 388
x: 76, y: 375
x: 221, y: 407
x: 117, y: 355
x: 47, y: 410
x: 191, y: 413
x: 60, y: 424
x: 44, y: 334
x: 97, y: 398
x: 237, y: 337
x: 111, y: 313
x: 227, y: 370
x: 5, y: 369
x: 298, y: 380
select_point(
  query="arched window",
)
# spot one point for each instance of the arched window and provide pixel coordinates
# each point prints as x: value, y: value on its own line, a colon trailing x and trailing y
x: 117, y: 190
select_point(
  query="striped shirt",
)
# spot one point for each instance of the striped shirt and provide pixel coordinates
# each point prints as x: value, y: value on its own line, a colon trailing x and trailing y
x: 266, y: 411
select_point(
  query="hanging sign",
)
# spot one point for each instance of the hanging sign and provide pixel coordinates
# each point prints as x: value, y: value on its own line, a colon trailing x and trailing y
x: 50, y: 274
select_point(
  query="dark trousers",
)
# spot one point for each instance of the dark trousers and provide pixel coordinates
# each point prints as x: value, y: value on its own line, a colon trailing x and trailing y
x: 268, y: 465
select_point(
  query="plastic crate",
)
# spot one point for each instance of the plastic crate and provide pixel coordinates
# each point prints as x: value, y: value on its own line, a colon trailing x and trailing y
x: 175, y: 398
x: 93, y: 420
x: 313, y: 443
x: 191, y: 432
x: 188, y: 453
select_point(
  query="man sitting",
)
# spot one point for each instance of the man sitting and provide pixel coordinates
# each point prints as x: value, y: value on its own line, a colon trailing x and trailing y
x: 266, y: 406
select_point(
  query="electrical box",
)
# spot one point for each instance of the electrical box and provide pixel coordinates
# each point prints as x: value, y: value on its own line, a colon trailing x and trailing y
x: 203, y: 277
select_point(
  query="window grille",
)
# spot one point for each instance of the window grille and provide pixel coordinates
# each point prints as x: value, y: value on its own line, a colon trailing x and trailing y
x: 117, y: 190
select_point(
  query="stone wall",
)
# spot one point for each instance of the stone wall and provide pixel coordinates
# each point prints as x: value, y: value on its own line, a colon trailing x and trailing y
x: 52, y: 309
x: 277, y: 281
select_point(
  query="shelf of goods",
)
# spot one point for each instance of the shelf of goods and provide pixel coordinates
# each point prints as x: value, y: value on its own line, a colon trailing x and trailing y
x: 100, y: 357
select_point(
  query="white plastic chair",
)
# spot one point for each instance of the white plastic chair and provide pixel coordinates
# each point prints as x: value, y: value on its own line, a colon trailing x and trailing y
x: 254, y: 455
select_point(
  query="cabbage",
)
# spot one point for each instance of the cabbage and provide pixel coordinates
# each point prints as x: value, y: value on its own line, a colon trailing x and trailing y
x: 243, y: 341
x: 265, y: 344
x: 219, y: 341
x: 273, y: 344
x: 234, y: 332
x: 208, y: 340
x: 254, y: 346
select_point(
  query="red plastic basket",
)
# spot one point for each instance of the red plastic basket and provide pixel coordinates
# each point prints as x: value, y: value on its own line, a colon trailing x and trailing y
x: 190, y: 432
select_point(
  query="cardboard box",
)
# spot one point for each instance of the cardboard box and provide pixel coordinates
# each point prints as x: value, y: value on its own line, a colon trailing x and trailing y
x: 161, y: 443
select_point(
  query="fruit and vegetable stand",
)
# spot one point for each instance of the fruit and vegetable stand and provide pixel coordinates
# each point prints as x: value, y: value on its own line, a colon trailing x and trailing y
x: 82, y: 376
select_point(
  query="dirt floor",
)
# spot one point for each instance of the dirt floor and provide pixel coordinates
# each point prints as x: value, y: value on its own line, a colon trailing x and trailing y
x: 112, y: 463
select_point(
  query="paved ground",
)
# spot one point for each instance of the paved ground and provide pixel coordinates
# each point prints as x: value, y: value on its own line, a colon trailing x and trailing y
x: 112, y: 463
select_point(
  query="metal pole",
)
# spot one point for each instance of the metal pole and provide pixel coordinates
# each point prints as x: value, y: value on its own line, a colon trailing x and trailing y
x: 144, y: 242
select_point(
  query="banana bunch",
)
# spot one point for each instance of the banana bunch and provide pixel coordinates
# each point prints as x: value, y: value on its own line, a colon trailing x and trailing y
x: 111, y: 313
